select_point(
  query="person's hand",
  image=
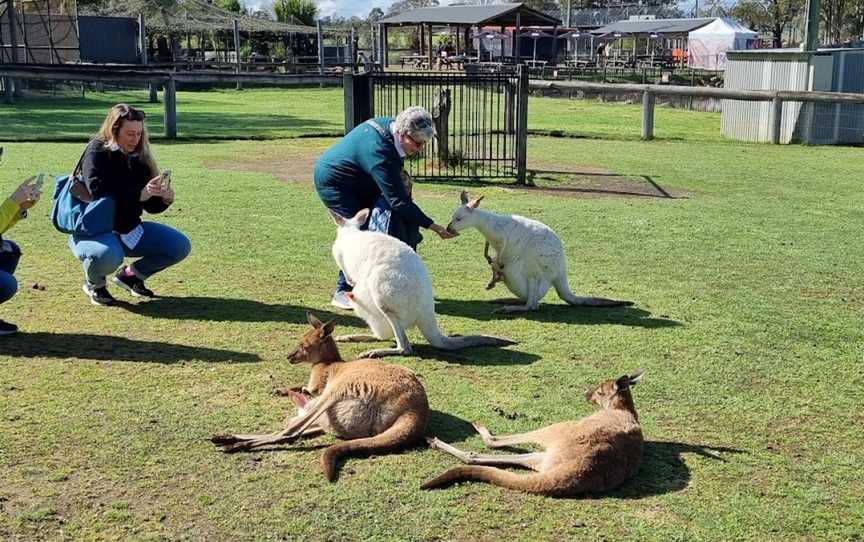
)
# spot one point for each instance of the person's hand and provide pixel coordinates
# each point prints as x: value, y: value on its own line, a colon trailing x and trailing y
x: 442, y: 232
x: 168, y: 194
x: 26, y: 194
x: 153, y: 188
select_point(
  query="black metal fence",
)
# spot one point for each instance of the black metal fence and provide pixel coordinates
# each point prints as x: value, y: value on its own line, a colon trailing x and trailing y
x: 480, y: 118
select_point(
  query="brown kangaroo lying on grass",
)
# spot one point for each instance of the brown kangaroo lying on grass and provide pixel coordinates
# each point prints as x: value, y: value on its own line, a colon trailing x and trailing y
x: 594, y: 454
x: 376, y: 407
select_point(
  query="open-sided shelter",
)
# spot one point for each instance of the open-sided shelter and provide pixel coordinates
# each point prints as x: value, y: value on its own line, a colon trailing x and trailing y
x: 515, y: 16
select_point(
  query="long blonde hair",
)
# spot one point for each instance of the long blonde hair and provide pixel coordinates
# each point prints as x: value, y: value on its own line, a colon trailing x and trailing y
x: 112, y: 124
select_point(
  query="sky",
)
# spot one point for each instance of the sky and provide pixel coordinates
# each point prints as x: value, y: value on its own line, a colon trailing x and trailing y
x: 342, y: 8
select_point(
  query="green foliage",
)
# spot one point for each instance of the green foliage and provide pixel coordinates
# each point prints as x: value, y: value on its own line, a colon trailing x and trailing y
x: 302, y: 11
x: 772, y: 16
x: 230, y: 5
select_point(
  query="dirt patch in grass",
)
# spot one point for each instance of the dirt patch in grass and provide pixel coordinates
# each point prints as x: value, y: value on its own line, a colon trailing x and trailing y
x: 551, y: 179
x: 291, y: 166
x: 594, y: 182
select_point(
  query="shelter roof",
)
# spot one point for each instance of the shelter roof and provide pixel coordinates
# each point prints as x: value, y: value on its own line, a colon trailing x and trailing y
x: 189, y: 15
x: 494, y: 15
x: 658, y: 26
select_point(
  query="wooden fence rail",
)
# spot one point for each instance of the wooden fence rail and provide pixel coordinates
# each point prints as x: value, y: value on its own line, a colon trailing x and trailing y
x: 649, y: 92
x: 168, y: 80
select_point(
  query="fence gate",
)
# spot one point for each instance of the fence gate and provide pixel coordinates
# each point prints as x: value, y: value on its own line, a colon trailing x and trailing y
x: 480, y: 118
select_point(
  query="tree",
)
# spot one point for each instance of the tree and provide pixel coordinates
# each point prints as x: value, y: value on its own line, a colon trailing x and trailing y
x: 407, y: 5
x: 838, y: 17
x: 230, y: 5
x: 304, y: 11
x: 376, y: 14
x: 768, y: 15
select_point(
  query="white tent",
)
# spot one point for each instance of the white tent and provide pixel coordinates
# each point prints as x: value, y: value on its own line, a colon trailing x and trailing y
x: 707, y: 46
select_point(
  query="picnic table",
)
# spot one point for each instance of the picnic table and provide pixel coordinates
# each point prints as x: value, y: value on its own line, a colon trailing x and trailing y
x: 414, y: 61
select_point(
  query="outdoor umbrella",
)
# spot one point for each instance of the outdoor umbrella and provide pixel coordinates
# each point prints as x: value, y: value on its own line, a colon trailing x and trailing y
x: 491, y: 35
x: 572, y: 34
x: 534, y: 34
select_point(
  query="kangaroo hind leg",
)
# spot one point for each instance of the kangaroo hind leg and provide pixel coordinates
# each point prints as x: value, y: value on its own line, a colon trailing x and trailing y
x: 403, y: 345
x: 528, y: 461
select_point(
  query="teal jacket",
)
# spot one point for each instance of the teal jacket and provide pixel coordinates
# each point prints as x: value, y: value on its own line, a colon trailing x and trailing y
x: 362, y: 166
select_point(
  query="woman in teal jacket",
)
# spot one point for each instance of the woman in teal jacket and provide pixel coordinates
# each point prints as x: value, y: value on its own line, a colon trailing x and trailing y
x: 367, y: 164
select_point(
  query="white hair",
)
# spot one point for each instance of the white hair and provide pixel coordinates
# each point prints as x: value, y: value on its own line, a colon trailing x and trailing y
x: 415, y: 122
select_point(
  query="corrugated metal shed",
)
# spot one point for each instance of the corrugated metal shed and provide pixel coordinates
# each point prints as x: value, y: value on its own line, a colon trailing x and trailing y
x: 836, y: 70
x: 658, y: 26
x: 493, y: 15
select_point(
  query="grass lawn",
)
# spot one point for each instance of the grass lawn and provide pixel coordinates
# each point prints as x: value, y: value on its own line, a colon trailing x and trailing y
x: 749, y: 301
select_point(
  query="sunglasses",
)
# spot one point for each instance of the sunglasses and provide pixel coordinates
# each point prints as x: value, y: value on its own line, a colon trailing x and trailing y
x: 132, y: 114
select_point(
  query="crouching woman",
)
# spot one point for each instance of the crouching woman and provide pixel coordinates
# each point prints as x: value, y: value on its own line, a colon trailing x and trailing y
x: 118, y: 163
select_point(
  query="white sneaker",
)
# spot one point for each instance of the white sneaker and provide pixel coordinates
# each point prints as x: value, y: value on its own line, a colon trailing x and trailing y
x: 340, y: 300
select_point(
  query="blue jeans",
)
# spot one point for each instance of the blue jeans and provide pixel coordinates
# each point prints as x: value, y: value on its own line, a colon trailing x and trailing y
x: 160, y: 247
x: 8, y: 264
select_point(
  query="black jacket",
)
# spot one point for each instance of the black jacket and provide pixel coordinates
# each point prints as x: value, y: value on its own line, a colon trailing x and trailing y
x: 115, y: 174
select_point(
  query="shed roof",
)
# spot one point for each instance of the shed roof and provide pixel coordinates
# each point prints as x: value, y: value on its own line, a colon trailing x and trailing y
x: 659, y: 26
x: 497, y: 14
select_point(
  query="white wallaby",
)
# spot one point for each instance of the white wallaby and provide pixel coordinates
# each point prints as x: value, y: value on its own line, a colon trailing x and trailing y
x: 591, y: 455
x: 392, y: 290
x: 527, y: 253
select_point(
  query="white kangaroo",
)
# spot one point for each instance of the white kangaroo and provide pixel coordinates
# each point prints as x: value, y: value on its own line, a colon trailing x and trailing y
x: 392, y: 290
x: 528, y: 253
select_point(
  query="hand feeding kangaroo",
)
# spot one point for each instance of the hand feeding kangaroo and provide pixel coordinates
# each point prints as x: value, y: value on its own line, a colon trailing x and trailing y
x: 376, y: 407
x: 528, y: 254
x: 392, y: 290
x: 594, y: 454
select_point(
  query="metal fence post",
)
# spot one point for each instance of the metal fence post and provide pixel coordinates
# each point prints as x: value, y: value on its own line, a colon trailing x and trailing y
x: 647, y: 115
x: 522, y: 128
x: 776, y: 120
x: 320, y: 47
x: 170, y: 108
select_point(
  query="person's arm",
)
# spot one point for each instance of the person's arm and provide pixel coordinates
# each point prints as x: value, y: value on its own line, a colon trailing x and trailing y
x: 386, y: 172
x: 95, y: 170
x: 10, y: 214
x: 15, y: 207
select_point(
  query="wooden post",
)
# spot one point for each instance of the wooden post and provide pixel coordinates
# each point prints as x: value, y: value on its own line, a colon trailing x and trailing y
x: 441, y: 118
x: 237, y: 51
x: 429, y: 40
x: 647, y: 116
x: 517, y: 40
x: 12, y: 84
x: 357, y: 97
x: 170, y: 109
x: 385, y: 52
x: 522, y: 127
x: 352, y: 51
x: 776, y: 120
x: 142, y: 45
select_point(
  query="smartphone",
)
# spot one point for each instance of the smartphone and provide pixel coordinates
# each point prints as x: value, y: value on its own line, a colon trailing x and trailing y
x: 166, y: 178
x: 40, y: 180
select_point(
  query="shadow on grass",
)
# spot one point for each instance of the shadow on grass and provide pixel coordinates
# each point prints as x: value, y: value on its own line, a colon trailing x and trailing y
x: 448, y: 428
x: 490, y: 355
x: 220, y: 309
x: 664, y: 470
x: 110, y: 348
x: 624, y: 316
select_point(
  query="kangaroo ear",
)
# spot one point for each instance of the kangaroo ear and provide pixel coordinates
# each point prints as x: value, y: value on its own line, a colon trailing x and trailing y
x: 463, y: 197
x: 337, y: 218
x: 473, y: 204
x: 328, y: 328
x: 361, y: 217
x: 313, y: 320
x: 636, y: 377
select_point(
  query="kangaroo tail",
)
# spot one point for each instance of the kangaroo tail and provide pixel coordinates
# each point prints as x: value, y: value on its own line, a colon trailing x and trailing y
x: 530, y: 483
x: 429, y: 328
x: 408, y: 428
x: 564, y: 293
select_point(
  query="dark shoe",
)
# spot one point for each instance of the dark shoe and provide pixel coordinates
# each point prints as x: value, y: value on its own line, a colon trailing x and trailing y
x: 133, y: 284
x: 7, y: 329
x: 340, y: 300
x: 99, y: 296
